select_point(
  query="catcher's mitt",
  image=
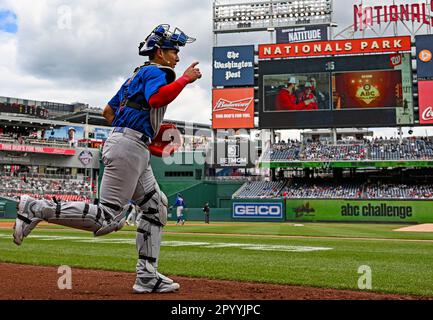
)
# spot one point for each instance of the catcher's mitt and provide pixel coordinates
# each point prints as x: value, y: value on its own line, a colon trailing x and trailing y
x: 167, y: 141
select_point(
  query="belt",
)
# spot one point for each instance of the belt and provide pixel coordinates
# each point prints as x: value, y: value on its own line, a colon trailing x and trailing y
x: 133, y: 133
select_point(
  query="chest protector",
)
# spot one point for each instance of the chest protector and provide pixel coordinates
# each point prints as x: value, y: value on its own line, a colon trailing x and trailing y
x: 139, y: 102
x: 167, y: 137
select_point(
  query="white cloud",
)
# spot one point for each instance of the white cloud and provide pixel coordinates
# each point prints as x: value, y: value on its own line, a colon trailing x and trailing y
x: 82, y: 50
x: 69, y: 51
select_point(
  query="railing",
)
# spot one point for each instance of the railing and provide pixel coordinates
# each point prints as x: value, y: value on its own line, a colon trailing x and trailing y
x: 234, y: 178
x: 45, y: 176
x: 33, y: 142
x: 44, y: 192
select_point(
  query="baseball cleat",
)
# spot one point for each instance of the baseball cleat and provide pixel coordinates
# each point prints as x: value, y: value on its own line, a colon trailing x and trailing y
x: 155, y: 285
x: 166, y: 279
x: 26, y: 220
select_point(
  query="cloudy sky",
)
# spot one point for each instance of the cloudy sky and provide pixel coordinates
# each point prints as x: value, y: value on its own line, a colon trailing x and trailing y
x: 82, y: 50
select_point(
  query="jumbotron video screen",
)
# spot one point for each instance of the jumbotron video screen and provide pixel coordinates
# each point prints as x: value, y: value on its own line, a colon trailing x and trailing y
x: 369, y: 90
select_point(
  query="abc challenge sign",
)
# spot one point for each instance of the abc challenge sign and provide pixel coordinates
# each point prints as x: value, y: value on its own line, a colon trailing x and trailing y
x: 258, y: 210
x: 233, y: 66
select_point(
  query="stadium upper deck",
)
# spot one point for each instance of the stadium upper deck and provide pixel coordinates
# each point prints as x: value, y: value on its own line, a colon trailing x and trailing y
x: 414, y: 151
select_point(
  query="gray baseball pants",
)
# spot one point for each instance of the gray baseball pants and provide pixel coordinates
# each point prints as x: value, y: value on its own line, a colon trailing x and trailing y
x: 127, y: 176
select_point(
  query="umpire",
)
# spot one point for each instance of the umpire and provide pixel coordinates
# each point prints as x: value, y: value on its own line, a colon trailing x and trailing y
x: 136, y: 113
x: 206, y: 211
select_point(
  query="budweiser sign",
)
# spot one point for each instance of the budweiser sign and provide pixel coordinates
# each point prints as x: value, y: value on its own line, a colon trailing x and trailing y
x: 233, y: 108
x: 239, y: 105
x: 368, y: 16
x: 427, y: 115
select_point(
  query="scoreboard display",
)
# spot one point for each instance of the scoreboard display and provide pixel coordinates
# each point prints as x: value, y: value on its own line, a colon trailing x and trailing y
x: 35, y: 111
x: 340, y: 91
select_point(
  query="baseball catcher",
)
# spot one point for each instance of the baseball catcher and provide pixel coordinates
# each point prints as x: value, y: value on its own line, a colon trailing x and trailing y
x: 136, y: 113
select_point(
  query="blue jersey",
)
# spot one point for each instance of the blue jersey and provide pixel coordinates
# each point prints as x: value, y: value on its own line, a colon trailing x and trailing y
x: 146, y: 82
x: 179, y: 202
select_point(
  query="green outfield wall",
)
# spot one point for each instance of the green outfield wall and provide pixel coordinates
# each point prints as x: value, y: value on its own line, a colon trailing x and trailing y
x: 398, y: 211
x: 7, y: 208
x: 248, y: 209
x: 217, y: 193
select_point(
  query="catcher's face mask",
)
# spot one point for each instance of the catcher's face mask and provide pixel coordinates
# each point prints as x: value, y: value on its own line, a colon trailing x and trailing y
x: 162, y: 37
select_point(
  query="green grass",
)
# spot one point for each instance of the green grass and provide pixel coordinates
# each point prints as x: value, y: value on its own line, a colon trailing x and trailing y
x: 398, y: 266
x: 347, y: 230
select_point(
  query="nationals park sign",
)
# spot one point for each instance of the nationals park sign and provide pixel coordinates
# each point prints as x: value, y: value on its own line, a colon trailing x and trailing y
x: 335, y: 47
x: 368, y: 16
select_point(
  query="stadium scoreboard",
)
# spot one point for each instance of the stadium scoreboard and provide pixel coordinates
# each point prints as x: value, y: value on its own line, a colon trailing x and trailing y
x: 350, y: 91
x: 366, y: 82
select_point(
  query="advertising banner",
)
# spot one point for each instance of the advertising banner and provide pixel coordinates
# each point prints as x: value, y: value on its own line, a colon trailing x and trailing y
x: 335, y: 47
x: 102, y: 133
x: 425, y: 101
x: 272, y: 210
x: 70, y: 134
x: 424, y: 56
x: 32, y: 149
x: 302, y: 34
x: 233, y: 66
x: 233, y: 108
x: 234, y: 152
x: 359, y: 210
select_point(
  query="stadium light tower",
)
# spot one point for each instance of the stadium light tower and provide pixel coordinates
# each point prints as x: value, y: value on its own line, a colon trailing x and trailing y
x: 230, y: 16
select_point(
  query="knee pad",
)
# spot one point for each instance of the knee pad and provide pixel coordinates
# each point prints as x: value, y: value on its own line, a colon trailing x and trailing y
x: 116, y: 223
x: 155, y: 206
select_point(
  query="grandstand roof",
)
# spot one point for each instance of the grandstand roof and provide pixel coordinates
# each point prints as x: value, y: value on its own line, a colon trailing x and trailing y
x: 20, y: 121
x: 93, y: 115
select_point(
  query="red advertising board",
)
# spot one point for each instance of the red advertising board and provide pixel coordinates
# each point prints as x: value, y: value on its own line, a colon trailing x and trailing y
x: 33, y: 149
x: 233, y: 108
x: 425, y: 99
x: 335, y: 47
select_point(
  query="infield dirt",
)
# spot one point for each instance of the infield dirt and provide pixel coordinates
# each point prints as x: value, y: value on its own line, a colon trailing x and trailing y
x: 28, y: 282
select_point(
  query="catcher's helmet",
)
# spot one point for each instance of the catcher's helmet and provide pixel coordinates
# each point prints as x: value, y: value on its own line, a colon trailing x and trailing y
x: 161, y: 37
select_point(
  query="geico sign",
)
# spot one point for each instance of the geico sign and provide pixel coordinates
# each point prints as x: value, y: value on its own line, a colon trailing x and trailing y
x: 273, y: 210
